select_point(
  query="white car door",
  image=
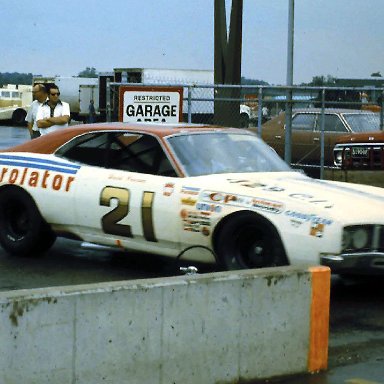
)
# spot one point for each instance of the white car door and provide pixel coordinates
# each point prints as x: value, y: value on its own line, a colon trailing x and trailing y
x: 137, y: 211
x: 123, y: 199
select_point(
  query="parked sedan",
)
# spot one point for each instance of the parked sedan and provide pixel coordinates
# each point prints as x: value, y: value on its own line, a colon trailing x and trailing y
x: 360, y: 151
x: 193, y: 192
x: 306, y: 132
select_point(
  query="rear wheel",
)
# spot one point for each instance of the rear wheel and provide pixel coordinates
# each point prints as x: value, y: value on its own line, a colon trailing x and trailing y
x: 249, y: 241
x: 23, y: 231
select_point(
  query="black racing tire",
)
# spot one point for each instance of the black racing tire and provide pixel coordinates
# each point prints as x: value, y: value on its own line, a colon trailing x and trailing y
x: 247, y: 241
x: 18, y: 117
x: 23, y: 231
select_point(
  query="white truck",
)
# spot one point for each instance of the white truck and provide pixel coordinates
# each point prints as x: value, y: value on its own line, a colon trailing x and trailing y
x: 14, y: 102
x: 79, y: 91
x: 202, y: 79
x: 76, y: 91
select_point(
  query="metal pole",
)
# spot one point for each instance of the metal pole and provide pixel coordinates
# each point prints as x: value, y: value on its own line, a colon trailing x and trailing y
x: 259, y: 112
x: 288, y: 109
x: 322, y: 141
x: 382, y: 111
x: 189, y: 104
x: 108, y: 100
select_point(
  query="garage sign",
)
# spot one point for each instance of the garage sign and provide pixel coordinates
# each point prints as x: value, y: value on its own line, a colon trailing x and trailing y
x: 150, y: 104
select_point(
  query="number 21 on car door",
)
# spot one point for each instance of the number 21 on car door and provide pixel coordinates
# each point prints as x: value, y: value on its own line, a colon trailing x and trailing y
x: 128, y: 207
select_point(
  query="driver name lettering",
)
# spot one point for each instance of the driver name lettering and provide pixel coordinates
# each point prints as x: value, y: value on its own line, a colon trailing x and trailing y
x: 36, y: 179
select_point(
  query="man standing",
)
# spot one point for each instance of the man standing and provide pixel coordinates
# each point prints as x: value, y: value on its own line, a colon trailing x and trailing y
x: 54, y: 114
x: 39, y: 92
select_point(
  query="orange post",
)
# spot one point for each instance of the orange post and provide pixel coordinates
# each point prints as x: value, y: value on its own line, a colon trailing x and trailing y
x: 319, y: 327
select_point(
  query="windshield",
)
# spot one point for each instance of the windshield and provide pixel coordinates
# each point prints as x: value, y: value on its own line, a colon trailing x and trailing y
x: 363, y: 122
x: 222, y: 152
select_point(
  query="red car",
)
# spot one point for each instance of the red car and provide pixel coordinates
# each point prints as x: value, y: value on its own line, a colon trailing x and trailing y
x: 360, y: 151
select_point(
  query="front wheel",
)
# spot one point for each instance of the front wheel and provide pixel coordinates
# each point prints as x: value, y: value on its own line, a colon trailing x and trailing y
x: 23, y: 231
x: 249, y: 241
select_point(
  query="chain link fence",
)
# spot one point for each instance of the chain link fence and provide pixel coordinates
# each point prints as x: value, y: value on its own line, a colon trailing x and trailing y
x: 300, y: 123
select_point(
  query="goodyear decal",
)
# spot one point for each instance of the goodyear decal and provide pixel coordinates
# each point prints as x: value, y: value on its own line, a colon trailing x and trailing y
x: 34, y: 172
x: 305, y: 217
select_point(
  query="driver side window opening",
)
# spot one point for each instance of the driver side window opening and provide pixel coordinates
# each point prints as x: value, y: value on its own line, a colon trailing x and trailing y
x: 131, y: 152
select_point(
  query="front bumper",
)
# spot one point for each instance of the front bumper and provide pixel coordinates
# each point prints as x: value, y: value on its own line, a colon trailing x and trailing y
x: 356, y: 263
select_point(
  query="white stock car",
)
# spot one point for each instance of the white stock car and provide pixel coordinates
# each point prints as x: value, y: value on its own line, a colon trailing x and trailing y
x: 198, y: 192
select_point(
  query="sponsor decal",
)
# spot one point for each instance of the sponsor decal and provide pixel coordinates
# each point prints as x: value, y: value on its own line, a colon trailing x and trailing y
x: 37, y: 173
x: 246, y: 183
x: 208, y: 207
x: 311, y: 199
x: 190, y: 190
x: 268, y: 205
x: 188, y: 201
x: 305, y: 217
x: 255, y: 184
x: 215, y: 198
x: 196, y: 221
x: 223, y: 198
x: 317, y: 230
x: 168, y: 189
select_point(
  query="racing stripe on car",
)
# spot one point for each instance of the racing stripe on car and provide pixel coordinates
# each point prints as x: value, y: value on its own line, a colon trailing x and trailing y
x: 32, y: 162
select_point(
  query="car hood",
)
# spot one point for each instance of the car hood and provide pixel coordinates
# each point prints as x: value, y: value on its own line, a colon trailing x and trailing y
x: 292, y: 190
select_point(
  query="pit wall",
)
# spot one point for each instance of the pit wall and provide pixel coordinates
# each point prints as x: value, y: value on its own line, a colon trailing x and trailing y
x: 367, y: 177
x: 226, y: 327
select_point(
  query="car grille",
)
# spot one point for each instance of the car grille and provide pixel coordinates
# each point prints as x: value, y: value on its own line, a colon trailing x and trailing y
x: 362, y: 156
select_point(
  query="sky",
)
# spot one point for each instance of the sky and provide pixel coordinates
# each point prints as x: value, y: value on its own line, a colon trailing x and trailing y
x: 340, y: 38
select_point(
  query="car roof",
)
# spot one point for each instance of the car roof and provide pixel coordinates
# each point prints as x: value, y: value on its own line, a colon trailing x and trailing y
x: 332, y: 110
x: 51, y: 142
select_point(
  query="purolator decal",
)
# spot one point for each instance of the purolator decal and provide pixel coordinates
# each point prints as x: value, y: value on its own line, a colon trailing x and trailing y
x: 37, y: 173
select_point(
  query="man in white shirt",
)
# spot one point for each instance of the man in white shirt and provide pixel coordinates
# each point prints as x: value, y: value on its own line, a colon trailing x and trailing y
x: 54, y: 114
x: 40, y: 95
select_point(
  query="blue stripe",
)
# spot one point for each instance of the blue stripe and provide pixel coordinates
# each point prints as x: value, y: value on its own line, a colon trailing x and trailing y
x: 31, y: 162
x: 38, y: 160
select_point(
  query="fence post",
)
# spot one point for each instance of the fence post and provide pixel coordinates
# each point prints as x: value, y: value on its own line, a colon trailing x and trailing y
x: 288, y: 128
x: 382, y: 111
x: 322, y: 134
x: 259, y: 111
x: 108, y: 100
x: 189, y: 104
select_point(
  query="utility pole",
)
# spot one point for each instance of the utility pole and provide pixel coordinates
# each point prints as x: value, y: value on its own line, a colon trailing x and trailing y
x: 227, y: 66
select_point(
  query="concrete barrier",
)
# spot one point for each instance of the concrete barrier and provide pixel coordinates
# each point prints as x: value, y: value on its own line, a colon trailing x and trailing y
x: 366, y: 176
x: 227, y: 327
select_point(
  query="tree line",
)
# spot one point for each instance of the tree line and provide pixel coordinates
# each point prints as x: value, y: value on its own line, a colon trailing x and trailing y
x: 26, y: 78
x: 15, y: 78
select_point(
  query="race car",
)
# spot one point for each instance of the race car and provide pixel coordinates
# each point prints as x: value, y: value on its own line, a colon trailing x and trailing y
x: 195, y: 192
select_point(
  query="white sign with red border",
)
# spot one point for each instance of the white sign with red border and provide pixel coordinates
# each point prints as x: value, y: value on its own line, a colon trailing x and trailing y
x: 150, y: 104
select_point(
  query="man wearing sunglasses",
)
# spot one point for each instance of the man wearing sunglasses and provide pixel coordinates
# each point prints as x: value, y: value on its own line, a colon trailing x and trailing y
x: 54, y: 114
